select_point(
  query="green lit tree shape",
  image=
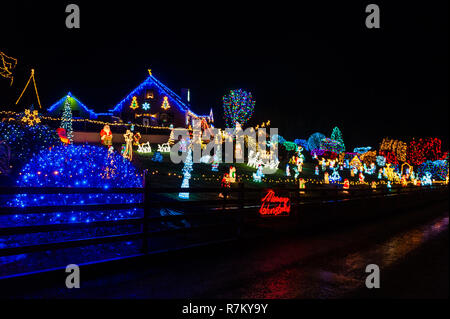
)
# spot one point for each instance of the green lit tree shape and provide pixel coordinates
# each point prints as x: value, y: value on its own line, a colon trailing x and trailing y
x: 337, y: 136
x: 66, y: 121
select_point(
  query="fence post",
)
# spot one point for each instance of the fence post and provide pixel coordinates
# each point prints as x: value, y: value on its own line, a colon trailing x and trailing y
x: 144, y: 248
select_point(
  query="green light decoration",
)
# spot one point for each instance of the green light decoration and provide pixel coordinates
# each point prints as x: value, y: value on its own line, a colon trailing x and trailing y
x: 66, y: 120
x: 336, y: 135
x: 238, y: 107
x: 290, y: 146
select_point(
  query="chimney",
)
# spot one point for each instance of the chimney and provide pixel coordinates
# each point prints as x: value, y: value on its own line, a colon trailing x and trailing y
x: 186, y: 95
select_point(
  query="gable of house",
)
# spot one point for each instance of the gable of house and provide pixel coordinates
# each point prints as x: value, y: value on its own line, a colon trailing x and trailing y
x: 155, y: 101
x: 79, y: 110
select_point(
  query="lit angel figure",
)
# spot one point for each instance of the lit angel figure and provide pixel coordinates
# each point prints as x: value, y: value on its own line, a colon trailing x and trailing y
x: 128, y: 151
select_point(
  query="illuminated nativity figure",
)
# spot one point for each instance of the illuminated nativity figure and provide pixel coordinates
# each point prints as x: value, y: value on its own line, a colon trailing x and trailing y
x: 128, y: 151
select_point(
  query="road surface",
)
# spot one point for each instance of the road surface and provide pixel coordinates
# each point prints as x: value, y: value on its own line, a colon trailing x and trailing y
x: 411, y: 250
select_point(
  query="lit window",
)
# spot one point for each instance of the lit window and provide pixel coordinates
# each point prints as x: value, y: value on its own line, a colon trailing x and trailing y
x: 149, y: 94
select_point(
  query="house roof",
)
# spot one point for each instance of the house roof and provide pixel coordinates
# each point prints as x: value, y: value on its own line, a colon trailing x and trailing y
x: 83, y: 106
x: 152, y: 82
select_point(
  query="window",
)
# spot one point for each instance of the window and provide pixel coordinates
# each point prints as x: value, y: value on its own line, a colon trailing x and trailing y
x: 149, y: 94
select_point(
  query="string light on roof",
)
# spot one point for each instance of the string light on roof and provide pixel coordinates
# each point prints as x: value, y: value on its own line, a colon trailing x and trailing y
x: 49, y: 118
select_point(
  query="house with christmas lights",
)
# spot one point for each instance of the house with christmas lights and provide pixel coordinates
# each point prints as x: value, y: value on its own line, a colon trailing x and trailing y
x: 154, y: 104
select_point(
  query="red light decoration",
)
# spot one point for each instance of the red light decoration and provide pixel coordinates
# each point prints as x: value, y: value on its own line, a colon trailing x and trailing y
x: 62, y: 135
x: 346, y: 184
x: 424, y: 149
x: 393, y: 150
x: 390, y: 157
x: 275, y: 205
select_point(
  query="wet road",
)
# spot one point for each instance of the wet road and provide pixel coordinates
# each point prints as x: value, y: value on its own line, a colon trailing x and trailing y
x: 411, y: 250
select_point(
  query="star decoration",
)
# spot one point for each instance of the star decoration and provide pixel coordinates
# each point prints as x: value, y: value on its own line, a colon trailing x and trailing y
x: 31, y: 118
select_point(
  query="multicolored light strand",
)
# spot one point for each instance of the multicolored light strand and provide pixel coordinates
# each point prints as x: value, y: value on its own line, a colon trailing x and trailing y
x: 238, y: 107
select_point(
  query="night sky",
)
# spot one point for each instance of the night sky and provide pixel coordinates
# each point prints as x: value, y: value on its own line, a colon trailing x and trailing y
x: 309, y: 68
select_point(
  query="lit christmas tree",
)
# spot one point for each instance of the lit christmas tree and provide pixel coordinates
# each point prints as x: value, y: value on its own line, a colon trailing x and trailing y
x: 66, y: 121
x: 134, y: 103
x: 337, y: 136
x: 238, y: 106
x: 165, y: 105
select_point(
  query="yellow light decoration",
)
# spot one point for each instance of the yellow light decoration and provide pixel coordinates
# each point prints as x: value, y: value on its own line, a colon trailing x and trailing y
x: 301, y: 183
x: 165, y: 105
x: 404, y: 181
x: 134, y: 104
x: 398, y: 148
x: 48, y: 118
x: 390, y: 172
x: 128, y: 152
x: 143, y: 114
x: 35, y: 89
x: 355, y: 162
x: 31, y: 118
x: 6, y: 66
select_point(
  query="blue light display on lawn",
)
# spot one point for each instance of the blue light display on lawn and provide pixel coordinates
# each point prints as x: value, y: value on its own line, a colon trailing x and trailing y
x: 25, y: 140
x: 76, y: 166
